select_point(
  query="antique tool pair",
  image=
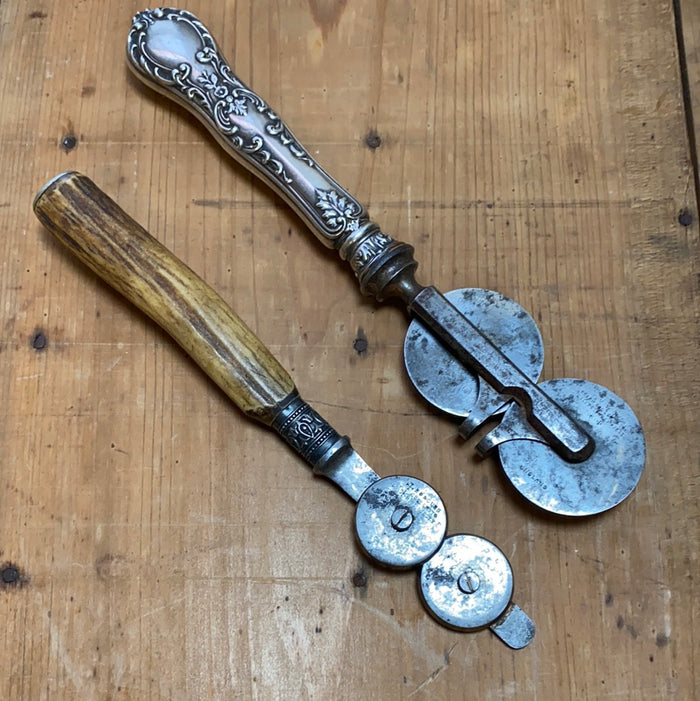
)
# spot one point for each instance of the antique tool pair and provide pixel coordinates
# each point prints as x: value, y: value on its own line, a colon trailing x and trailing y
x: 465, y: 581
x: 568, y: 446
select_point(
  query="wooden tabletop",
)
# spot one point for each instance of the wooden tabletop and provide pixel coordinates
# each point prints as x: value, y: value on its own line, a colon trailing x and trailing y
x: 157, y: 544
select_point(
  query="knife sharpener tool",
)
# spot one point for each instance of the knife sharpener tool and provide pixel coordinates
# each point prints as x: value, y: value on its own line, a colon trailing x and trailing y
x: 401, y: 521
x: 173, y: 52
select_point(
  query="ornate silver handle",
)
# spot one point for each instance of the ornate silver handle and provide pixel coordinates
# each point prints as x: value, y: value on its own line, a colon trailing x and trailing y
x: 173, y: 52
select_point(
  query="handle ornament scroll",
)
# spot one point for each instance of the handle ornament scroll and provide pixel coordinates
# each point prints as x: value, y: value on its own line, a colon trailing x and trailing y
x: 217, y: 92
x: 242, y: 118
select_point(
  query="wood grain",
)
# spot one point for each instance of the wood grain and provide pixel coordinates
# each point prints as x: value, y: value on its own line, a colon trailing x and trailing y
x: 102, y: 235
x: 167, y: 547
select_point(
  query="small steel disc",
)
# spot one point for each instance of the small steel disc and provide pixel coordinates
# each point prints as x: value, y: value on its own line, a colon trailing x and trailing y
x: 594, y: 485
x: 400, y: 521
x: 467, y: 584
x: 441, y: 378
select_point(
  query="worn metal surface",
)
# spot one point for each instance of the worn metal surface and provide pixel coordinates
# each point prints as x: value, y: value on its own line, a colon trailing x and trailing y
x: 472, y: 348
x: 574, y: 489
x: 514, y: 627
x: 329, y: 453
x: 539, y: 150
x: 468, y: 583
x: 453, y: 387
x: 400, y: 521
x: 172, y: 51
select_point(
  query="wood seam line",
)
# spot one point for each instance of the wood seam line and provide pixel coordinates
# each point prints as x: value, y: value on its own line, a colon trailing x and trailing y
x: 687, y: 100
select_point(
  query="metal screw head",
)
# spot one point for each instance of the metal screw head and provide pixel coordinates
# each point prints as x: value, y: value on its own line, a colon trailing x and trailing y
x: 468, y: 582
x: 401, y: 519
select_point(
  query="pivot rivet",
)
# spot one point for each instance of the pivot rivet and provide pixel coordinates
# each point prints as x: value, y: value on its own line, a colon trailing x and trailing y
x: 401, y: 519
x: 468, y: 582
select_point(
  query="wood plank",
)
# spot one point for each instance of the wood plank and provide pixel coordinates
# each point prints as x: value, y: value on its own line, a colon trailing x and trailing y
x: 168, y: 547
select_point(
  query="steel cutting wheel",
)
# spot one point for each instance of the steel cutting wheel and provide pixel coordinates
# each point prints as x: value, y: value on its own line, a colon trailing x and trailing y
x: 448, y: 384
x: 585, y: 488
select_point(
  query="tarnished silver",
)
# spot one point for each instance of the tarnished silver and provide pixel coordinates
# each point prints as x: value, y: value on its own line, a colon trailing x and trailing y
x: 178, y: 56
x: 173, y: 52
x: 400, y: 521
x: 451, y: 385
x: 329, y: 453
x: 468, y: 584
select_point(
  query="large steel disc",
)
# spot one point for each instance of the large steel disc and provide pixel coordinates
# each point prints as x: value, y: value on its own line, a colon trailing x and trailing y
x: 441, y: 378
x: 598, y: 483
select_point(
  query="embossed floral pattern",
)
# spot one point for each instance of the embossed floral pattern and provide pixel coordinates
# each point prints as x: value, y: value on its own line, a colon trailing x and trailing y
x: 233, y: 103
x: 339, y: 212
